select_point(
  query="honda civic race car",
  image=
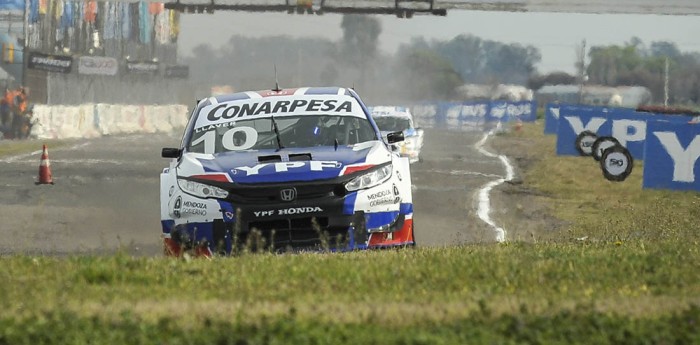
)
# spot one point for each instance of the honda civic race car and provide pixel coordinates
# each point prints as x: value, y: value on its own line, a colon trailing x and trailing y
x: 292, y: 169
x: 391, y: 119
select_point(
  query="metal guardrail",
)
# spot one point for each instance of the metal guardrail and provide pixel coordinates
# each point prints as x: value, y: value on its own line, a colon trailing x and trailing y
x: 407, y: 8
x: 400, y: 8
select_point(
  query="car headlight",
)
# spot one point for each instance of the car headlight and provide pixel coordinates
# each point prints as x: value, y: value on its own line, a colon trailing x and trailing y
x: 369, y: 179
x: 201, y: 190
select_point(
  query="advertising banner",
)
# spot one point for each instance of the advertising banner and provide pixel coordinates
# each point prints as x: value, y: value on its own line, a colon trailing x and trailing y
x: 463, y: 115
x: 97, y: 65
x: 551, y: 118
x: 672, y: 156
x: 12, y: 5
x: 177, y: 71
x: 142, y: 67
x: 503, y: 111
x: 474, y: 115
x: 626, y: 125
x: 50, y: 63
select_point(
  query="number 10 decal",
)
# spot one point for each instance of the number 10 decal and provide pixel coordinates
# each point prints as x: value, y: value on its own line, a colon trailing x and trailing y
x: 234, y: 139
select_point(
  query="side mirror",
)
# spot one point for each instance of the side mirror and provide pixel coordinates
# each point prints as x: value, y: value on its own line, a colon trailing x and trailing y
x: 394, y: 137
x: 170, y: 152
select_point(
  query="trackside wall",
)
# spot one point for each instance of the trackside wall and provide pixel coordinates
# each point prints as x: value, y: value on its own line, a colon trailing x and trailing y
x: 94, y: 120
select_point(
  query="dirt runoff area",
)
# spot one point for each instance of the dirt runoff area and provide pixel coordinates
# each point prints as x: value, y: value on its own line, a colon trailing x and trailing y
x: 447, y: 190
x: 523, y: 211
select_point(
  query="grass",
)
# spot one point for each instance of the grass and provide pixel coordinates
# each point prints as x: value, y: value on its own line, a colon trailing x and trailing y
x: 634, y: 280
x: 575, y: 190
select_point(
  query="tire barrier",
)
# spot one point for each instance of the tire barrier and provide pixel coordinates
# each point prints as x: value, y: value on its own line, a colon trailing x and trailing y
x: 669, y: 144
x: 614, y: 159
x: 601, y: 144
x: 94, y: 120
x: 616, y: 163
x: 584, y: 143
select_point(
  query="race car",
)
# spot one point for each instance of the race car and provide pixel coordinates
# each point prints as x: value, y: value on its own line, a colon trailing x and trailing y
x: 285, y: 169
x: 392, y: 119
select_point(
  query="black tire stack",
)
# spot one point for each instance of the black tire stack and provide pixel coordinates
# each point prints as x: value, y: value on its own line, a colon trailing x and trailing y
x: 615, y: 160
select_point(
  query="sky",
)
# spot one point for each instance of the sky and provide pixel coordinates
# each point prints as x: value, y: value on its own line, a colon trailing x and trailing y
x: 557, y: 35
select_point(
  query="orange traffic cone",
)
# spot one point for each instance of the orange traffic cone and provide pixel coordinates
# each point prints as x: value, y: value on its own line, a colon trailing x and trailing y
x: 45, y: 168
x: 518, y: 125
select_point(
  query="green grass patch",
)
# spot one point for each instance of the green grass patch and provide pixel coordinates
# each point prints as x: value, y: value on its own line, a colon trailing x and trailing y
x: 625, y: 270
x: 598, y: 209
x: 502, y: 293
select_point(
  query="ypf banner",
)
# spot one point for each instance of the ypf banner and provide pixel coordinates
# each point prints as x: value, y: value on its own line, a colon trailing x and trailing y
x: 97, y: 65
x: 551, y: 118
x: 672, y: 156
x: 628, y: 126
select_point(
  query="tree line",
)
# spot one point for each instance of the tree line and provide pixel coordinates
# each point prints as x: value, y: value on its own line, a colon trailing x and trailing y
x: 430, y: 70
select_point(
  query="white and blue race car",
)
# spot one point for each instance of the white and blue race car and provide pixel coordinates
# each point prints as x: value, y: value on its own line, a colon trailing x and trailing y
x: 392, y: 119
x: 292, y: 169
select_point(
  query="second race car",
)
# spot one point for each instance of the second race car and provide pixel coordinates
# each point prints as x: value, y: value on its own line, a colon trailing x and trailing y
x: 391, y: 119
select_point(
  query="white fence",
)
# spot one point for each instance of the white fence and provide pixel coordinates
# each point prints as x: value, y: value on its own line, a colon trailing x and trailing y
x: 94, y: 120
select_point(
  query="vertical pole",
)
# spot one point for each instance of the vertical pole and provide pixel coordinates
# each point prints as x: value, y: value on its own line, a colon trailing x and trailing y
x: 666, y: 83
x: 25, y: 45
x: 582, y: 71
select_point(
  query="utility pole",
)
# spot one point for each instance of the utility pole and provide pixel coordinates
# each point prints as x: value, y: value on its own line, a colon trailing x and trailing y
x: 666, y: 83
x: 25, y: 43
x: 581, y: 71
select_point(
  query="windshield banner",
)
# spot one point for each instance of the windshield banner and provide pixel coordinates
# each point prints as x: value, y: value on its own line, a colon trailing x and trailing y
x: 279, y: 107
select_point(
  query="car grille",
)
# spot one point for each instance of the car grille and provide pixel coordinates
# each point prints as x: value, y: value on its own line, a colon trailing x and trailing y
x: 296, y: 233
x: 271, y: 194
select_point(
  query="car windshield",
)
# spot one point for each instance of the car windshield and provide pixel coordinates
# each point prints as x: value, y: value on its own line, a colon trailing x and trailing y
x: 294, y: 132
x: 392, y: 124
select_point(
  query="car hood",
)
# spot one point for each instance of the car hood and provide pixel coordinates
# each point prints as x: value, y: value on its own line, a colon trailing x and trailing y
x: 286, y: 165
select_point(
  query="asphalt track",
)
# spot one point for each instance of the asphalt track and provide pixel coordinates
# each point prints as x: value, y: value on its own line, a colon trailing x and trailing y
x: 106, y: 197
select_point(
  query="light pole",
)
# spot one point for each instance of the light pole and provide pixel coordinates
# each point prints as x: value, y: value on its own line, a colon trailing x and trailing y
x: 582, y: 71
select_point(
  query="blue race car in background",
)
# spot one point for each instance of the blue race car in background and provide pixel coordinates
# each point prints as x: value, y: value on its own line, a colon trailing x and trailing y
x: 392, y: 119
x: 292, y: 169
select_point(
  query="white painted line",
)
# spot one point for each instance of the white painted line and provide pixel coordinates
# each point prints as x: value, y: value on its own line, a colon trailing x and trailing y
x: 484, y: 208
x: 462, y: 173
x: 15, y: 158
x: 22, y: 156
x: 85, y: 161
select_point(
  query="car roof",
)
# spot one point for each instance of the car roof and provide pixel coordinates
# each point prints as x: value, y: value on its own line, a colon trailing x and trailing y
x: 340, y: 91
